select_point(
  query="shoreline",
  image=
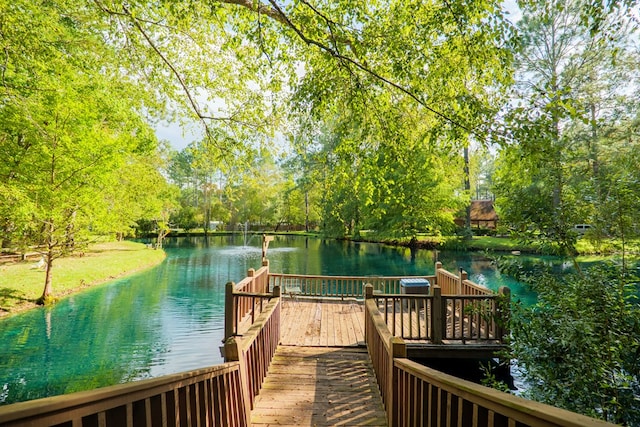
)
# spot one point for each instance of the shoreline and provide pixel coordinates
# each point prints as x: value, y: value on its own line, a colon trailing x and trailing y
x: 13, y: 301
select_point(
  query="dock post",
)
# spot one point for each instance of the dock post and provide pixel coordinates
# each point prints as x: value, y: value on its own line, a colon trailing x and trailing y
x: 436, y: 316
x: 438, y: 267
x: 463, y: 276
x: 397, y: 349
x: 368, y: 291
x: 228, y: 310
x: 251, y: 273
x: 504, y: 312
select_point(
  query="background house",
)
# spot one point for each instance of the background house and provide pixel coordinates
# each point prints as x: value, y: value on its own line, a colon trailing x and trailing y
x: 483, y: 215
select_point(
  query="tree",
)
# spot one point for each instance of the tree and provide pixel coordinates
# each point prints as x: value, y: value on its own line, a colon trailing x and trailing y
x: 133, y: 192
x: 566, y: 99
x: 66, y: 123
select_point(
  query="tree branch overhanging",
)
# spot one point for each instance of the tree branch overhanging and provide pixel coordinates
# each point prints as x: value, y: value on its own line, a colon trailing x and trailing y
x: 276, y: 12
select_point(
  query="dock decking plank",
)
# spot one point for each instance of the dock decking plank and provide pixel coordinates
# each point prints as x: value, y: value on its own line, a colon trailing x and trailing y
x: 322, y: 323
x: 319, y: 386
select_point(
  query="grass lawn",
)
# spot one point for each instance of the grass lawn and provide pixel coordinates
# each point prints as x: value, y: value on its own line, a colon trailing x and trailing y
x: 22, y: 283
x: 584, y: 246
x: 499, y: 244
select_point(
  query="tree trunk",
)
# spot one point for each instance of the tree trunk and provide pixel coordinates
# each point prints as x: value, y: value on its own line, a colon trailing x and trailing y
x: 467, y: 187
x: 306, y: 211
x: 48, y: 287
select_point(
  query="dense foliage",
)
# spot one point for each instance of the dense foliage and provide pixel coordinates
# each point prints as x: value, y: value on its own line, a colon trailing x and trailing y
x: 579, y: 346
x: 573, y: 126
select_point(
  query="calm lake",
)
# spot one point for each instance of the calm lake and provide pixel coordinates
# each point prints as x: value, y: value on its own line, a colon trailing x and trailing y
x: 170, y: 318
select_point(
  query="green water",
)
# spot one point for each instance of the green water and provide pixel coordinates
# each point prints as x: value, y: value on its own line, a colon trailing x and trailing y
x: 170, y: 319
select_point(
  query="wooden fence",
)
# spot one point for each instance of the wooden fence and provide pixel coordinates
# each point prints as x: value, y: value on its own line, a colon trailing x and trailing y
x: 452, y: 284
x: 414, y: 395
x: 245, y: 300
x: 211, y: 397
x: 438, y: 317
x: 337, y: 286
x: 256, y: 347
x: 353, y: 286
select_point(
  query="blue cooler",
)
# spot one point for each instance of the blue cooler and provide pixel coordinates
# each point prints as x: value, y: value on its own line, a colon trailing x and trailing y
x: 414, y: 285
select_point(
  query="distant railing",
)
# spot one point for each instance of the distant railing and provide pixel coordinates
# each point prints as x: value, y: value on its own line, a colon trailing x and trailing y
x: 353, y: 286
x: 256, y: 347
x: 336, y: 286
x: 415, y: 395
x: 208, y: 397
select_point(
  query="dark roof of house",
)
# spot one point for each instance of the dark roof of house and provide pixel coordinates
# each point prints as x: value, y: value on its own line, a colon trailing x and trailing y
x: 482, y: 210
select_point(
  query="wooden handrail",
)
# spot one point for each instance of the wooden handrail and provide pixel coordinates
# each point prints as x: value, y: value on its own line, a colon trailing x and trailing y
x: 416, y: 395
x: 241, y: 308
x: 337, y: 286
x: 452, y: 284
x: 436, y: 397
x: 437, y: 317
x: 245, y: 299
x: 468, y: 287
x: 211, y: 396
x: 256, y: 281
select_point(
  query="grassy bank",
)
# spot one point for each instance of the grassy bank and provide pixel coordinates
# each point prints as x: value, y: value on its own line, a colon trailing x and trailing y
x: 22, y: 283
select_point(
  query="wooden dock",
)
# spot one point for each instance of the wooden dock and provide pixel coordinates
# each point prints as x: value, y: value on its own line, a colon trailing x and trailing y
x: 319, y: 386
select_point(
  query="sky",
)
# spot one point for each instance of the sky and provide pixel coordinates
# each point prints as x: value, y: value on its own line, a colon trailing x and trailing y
x: 177, y: 137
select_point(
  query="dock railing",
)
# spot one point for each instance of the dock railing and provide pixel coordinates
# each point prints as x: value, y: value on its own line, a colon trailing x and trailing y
x: 224, y: 395
x: 436, y: 317
x: 415, y: 395
x: 452, y: 284
x: 353, y: 286
x: 245, y: 300
x: 256, y: 347
x: 212, y: 396
x: 337, y: 286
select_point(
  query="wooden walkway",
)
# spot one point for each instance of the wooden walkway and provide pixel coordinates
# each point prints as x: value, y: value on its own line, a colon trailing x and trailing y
x: 319, y: 376
x: 319, y: 386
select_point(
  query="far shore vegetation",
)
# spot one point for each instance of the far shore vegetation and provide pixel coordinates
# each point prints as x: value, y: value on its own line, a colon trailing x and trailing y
x: 21, y: 283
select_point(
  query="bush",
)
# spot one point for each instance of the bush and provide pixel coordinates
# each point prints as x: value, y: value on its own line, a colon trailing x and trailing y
x: 483, y: 232
x: 580, y: 344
